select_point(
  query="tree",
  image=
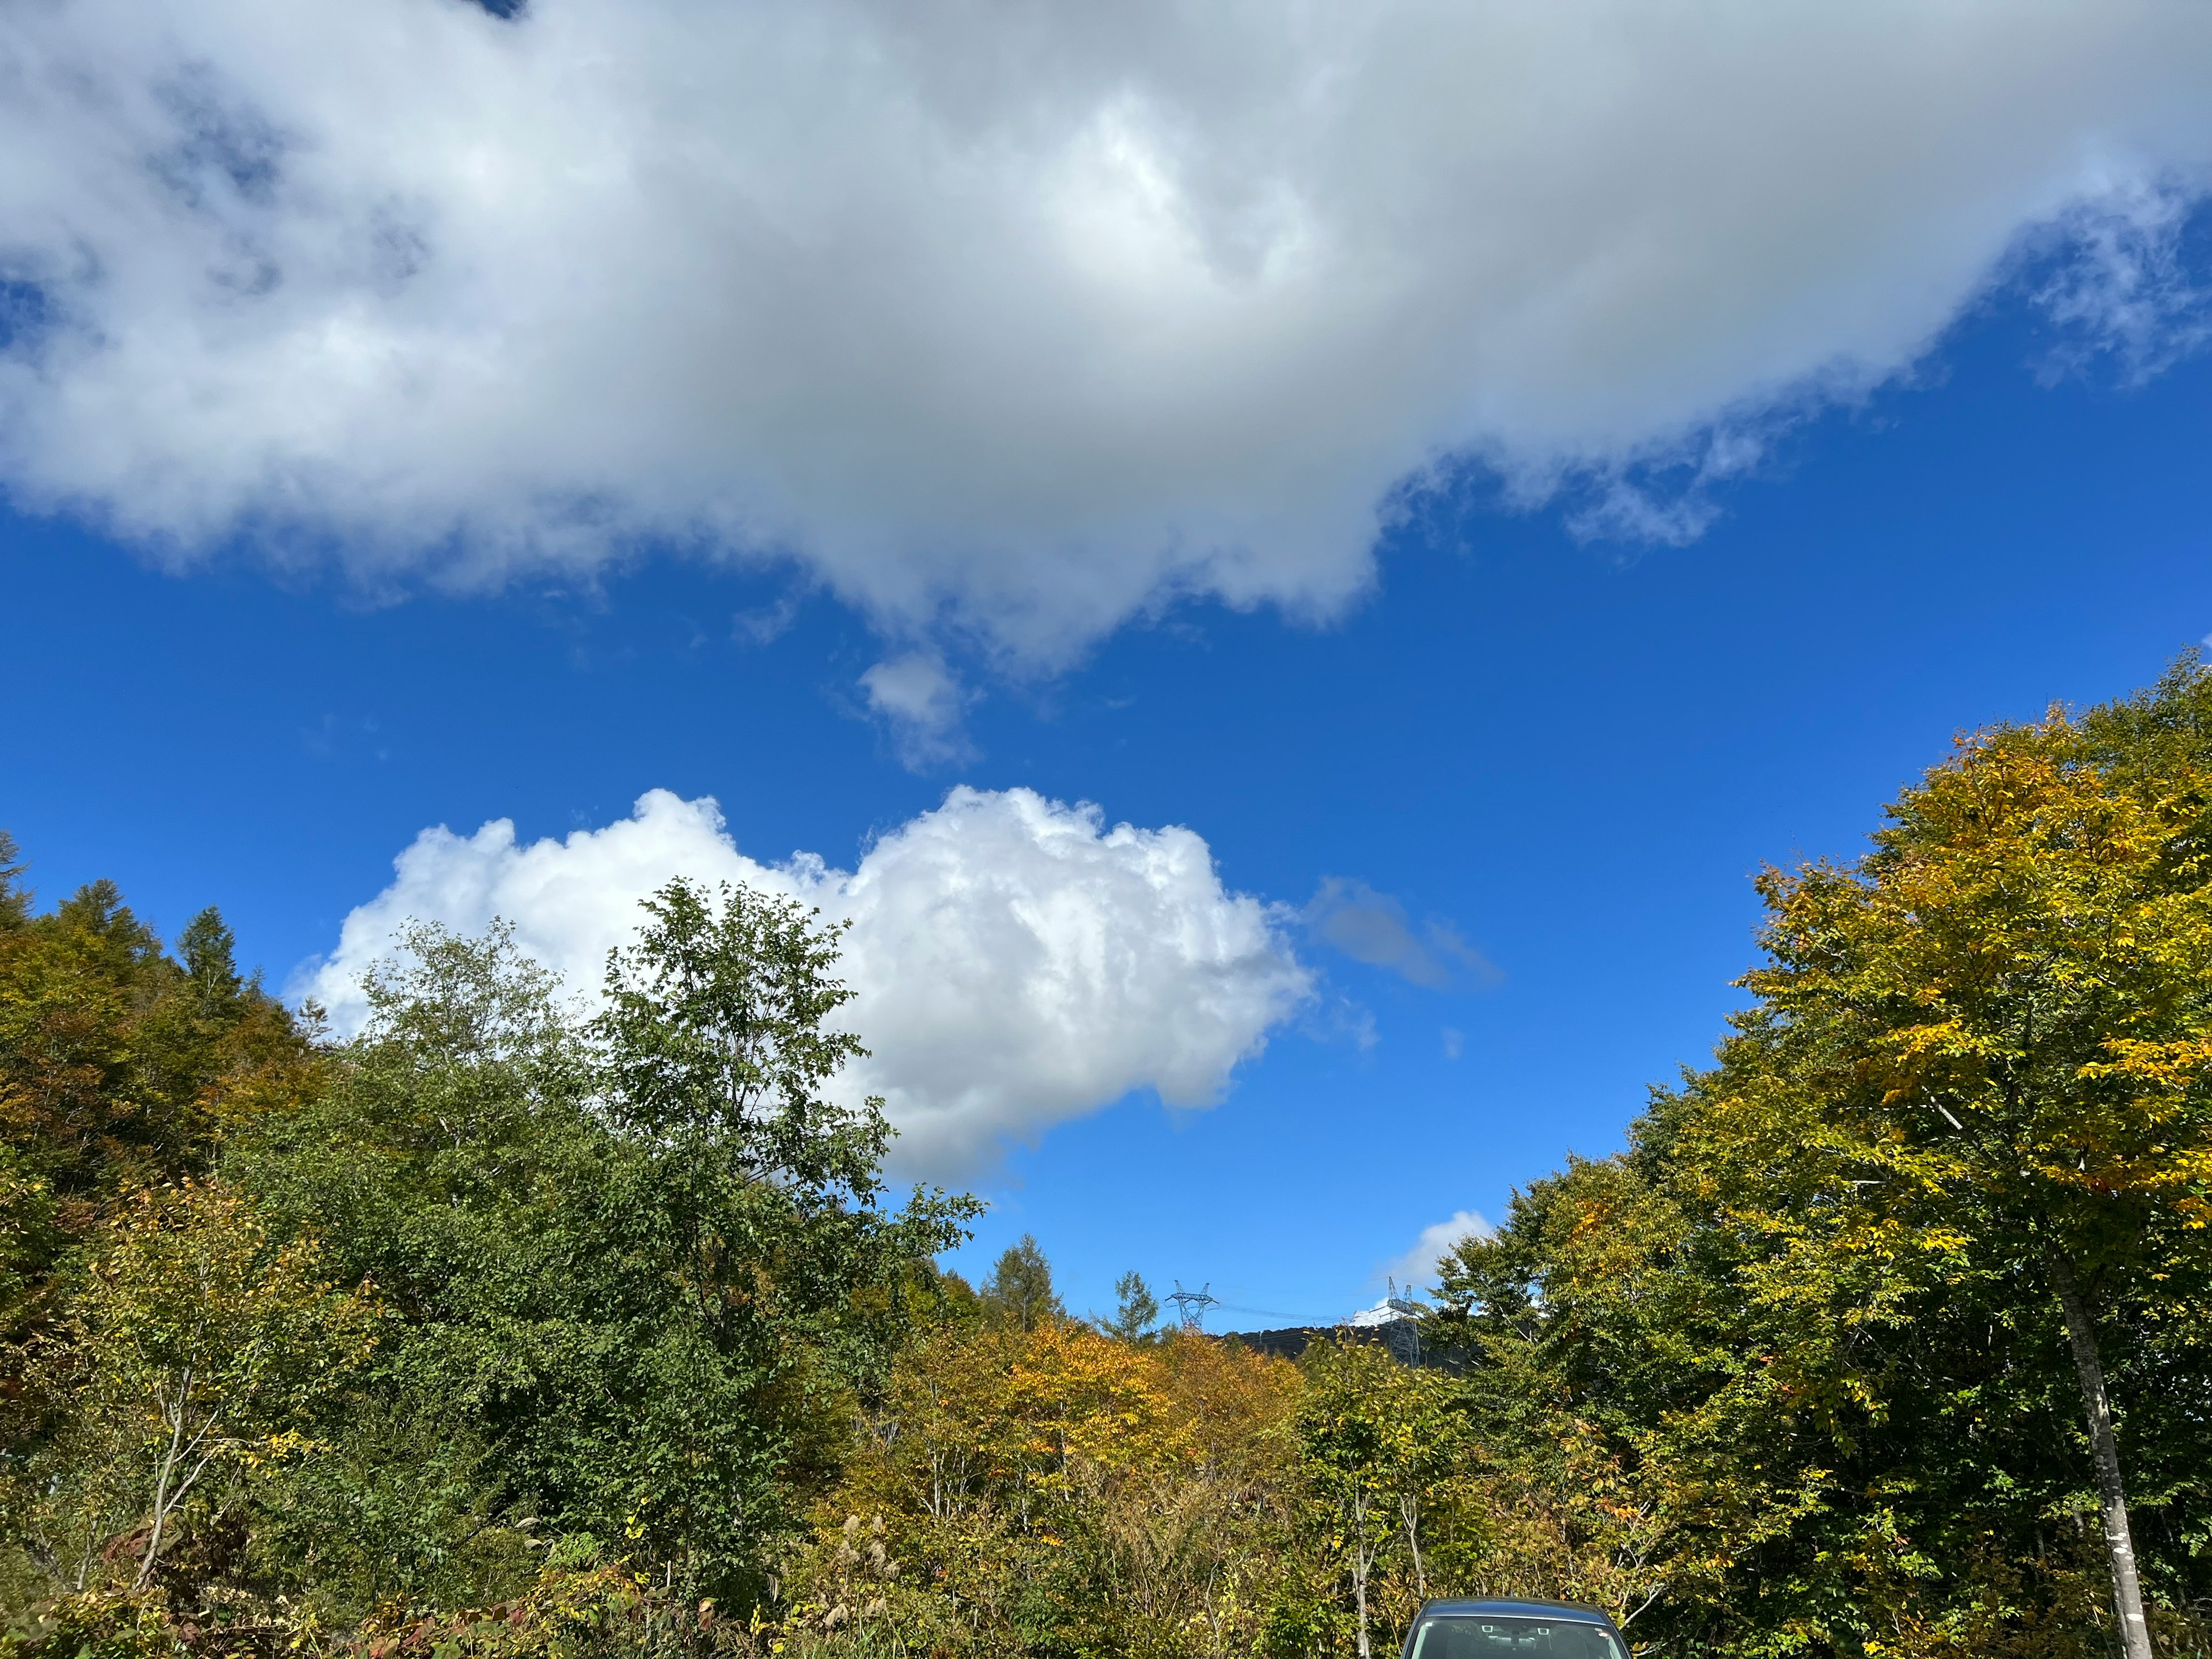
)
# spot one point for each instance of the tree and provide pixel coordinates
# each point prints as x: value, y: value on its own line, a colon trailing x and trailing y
x: 715, y: 1047
x: 118, y: 1066
x: 119, y: 1070
x: 1136, y: 1312
x: 2007, y: 1008
x: 1019, y: 1293
x: 1362, y: 1452
x: 14, y: 899
x: 714, y: 1061
x: 206, y: 1341
x: 1804, y: 1352
x: 641, y: 1259
x: 1057, y: 1491
x: 1622, y: 1412
x: 454, y: 1158
x: 211, y: 960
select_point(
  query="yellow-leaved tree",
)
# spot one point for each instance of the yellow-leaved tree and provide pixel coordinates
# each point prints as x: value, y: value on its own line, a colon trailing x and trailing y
x: 2002, y: 1018
x: 200, y: 1343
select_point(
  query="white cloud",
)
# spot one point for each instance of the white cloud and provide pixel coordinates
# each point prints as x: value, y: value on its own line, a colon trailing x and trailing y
x: 1007, y: 319
x: 1417, y: 1269
x: 1016, y: 964
x: 918, y: 698
x: 2127, y: 294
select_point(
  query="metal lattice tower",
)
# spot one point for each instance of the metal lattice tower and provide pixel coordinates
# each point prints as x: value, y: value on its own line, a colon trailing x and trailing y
x: 1191, y: 1305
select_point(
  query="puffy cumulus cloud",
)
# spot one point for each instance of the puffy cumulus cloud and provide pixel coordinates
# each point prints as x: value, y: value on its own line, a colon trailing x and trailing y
x: 1015, y: 962
x: 1416, y: 1268
x: 1006, y: 319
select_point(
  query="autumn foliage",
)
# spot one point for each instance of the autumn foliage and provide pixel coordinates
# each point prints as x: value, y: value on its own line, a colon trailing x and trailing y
x: 500, y: 1329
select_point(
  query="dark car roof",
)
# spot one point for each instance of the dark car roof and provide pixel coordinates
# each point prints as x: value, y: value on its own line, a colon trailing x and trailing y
x: 1563, y: 1611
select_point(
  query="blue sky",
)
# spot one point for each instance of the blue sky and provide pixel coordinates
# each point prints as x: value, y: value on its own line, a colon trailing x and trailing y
x: 1577, y: 754
x: 1570, y: 750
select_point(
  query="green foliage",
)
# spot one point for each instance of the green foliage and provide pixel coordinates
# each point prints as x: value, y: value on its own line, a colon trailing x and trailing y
x: 715, y: 1051
x: 405, y: 1505
x: 201, y: 1345
x: 97, y: 1625
x: 599, y: 1611
x: 641, y: 1261
x: 1809, y: 1332
x: 500, y: 1330
x: 1390, y: 1512
x: 119, y: 1066
x: 1019, y: 1293
x: 1136, y: 1310
x: 621, y: 1280
x: 14, y: 898
x: 120, y: 1073
x: 937, y: 1299
x: 586, y: 1610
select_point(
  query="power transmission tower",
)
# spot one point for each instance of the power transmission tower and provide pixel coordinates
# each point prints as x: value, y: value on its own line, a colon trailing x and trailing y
x: 1191, y: 1305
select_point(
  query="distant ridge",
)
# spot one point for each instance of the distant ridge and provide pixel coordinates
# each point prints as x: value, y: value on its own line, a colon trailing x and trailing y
x: 1394, y: 1322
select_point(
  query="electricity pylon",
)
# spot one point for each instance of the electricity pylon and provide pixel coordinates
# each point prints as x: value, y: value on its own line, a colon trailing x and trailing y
x: 1191, y: 1305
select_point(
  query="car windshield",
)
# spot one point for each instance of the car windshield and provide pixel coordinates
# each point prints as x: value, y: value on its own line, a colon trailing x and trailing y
x: 1487, y: 1635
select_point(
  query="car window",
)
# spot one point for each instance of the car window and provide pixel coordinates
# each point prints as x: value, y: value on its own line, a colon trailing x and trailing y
x: 1485, y: 1635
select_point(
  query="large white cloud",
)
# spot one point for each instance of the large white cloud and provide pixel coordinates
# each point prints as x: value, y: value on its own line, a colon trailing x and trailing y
x: 1015, y: 962
x: 1416, y: 1271
x: 1009, y: 314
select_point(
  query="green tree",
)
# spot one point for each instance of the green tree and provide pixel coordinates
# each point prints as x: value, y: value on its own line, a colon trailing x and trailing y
x: 1136, y: 1310
x: 14, y: 899
x: 210, y: 962
x: 455, y: 1159
x: 1814, y: 1335
x: 1639, y: 1446
x: 120, y: 1069
x: 2004, y: 1013
x: 716, y: 1051
x: 715, y: 1061
x: 642, y: 1262
x: 1371, y: 1446
x: 204, y: 1343
x: 118, y: 1066
x: 1018, y: 1293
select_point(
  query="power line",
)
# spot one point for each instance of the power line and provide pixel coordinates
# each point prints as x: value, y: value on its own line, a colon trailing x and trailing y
x: 1278, y: 1313
x: 1314, y: 1321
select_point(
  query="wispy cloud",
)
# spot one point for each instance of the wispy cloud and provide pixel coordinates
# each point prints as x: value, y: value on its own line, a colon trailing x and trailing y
x: 1372, y: 927
x: 1416, y: 1268
x: 2118, y: 285
x: 921, y: 703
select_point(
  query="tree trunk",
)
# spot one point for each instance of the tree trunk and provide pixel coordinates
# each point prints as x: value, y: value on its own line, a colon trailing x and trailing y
x: 163, y: 1471
x: 1409, y: 1511
x: 2112, y: 1496
x: 1363, y: 1561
